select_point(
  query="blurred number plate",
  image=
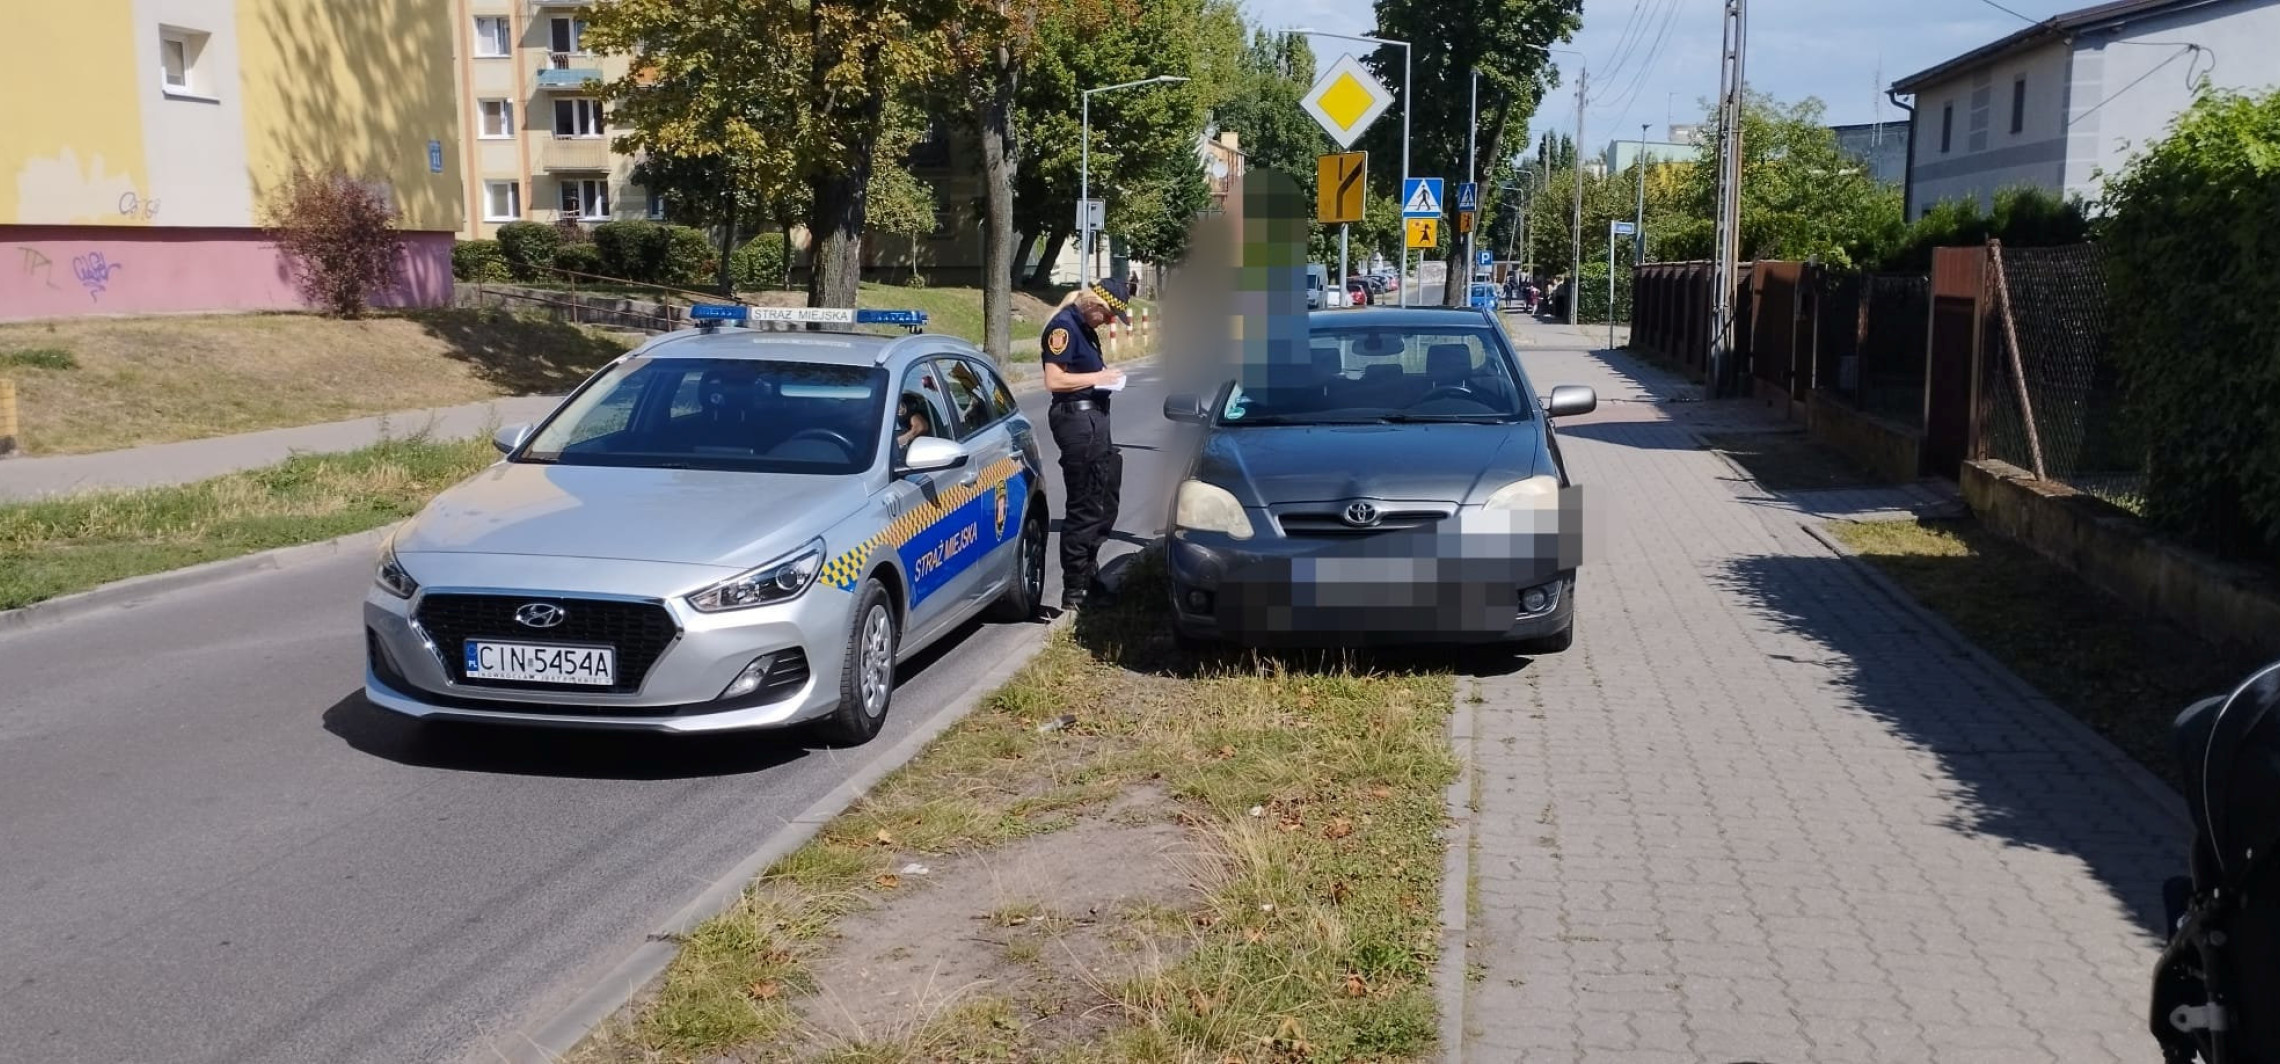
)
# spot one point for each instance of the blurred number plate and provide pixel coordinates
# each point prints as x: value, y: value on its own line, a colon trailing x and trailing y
x: 528, y: 663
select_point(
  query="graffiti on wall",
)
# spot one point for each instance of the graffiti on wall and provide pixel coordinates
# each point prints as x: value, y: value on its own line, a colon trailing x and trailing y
x: 36, y: 264
x: 62, y: 190
x: 94, y: 272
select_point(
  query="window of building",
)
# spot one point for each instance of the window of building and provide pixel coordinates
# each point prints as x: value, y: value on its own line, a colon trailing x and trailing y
x: 2018, y: 105
x: 491, y: 37
x: 498, y: 118
x: 656, y: 205
x: 1947, y: 126
x: 568, y: 36
x: 178, y: 53
x: 502, y: 201
x: 578, y: 117
x: 586, y: 199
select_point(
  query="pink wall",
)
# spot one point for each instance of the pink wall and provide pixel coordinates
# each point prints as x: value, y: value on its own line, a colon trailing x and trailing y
x: 68, y: 271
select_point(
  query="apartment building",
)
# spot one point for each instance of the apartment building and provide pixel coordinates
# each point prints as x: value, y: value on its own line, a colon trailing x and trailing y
x: 148, y: 134
x: 536, y: 138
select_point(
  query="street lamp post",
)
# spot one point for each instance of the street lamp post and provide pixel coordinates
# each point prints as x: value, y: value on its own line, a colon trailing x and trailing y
x: 1639, y: 225
x: 1575, y: 232
x: 1408, y: 91
x: 1084, y: 168
x: 1472, y: 155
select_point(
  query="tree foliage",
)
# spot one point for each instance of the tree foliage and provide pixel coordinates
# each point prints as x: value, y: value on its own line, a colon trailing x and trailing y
x: 1803, y: 196
x: 2194, y: 273
x: 338, y: 235
x: 2026, y: 216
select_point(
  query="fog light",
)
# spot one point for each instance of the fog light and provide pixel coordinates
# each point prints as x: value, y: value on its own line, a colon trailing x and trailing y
x: 1533, y: 600
x: 749, y: 680
x: 1199, y: 601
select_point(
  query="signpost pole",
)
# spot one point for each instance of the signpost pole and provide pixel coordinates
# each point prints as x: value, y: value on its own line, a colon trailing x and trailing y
x: 1341, y: 282
x: 1611, y: 286
x: 1084, y: 194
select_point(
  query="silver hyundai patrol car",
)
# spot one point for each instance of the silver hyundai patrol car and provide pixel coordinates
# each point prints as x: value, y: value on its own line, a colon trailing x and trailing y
x: 726, y: 528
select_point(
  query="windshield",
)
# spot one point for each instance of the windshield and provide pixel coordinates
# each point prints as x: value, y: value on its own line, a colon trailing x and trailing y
x: 718, y: 413
x: 1360, y: 375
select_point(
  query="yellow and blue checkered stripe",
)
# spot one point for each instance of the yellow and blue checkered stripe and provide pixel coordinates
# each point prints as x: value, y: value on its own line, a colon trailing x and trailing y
x: 845, y: 569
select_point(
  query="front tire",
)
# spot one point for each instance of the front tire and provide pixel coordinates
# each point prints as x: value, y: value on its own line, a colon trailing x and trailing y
x: 1021, y: 601
x: 867, y: 677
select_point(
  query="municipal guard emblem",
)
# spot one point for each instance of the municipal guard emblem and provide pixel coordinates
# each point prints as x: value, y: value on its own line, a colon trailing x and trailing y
x: 1001, y: 501
x: 1057, y: 341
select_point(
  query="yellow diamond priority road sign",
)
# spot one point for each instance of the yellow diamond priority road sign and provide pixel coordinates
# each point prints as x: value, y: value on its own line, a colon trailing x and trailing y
x: 1346, y: 99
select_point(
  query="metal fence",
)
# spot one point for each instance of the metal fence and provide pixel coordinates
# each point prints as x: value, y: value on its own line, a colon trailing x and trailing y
x: 2049, y: 399
x: 1873, y: 334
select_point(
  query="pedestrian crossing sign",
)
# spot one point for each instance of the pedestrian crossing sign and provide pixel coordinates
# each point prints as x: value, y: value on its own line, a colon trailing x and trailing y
x: 1421, y: 197
x: 1423, y: 232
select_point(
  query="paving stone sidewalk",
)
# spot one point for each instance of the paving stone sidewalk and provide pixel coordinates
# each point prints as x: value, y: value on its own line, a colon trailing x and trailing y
x: 1762, y: 813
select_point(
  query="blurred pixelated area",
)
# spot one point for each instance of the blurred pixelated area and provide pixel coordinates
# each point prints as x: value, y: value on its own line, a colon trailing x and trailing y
x: 1241, y: 294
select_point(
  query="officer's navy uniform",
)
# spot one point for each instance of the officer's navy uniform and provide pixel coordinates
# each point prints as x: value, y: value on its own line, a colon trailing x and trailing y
x: 1092, y: 471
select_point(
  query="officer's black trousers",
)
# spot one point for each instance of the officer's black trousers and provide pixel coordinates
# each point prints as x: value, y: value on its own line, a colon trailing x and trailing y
x: 1092, y: 474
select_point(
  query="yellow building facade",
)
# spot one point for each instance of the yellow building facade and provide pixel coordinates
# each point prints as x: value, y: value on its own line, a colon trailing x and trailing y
x: 535, y: 139
x: 148, y: 133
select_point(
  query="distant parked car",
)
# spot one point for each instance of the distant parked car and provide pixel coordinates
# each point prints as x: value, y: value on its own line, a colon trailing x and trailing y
x: 1358, y: 292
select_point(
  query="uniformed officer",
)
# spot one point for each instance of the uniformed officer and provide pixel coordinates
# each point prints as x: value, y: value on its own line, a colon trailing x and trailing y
x: 1092, y: 472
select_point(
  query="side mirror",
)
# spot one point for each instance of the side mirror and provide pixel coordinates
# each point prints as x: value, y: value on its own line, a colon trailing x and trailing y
x: 1571, y: 400
x: 929, y: 453
x: 1185, y: 407
x: 510, y: 437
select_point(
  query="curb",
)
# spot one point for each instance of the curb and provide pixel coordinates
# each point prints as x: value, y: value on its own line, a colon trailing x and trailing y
x: 1453, y: 971
x: 554, y: 1036
x: 136, y: 590
x: 2162, y: 795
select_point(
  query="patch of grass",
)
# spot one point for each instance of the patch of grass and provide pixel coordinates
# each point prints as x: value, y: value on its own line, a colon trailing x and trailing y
x: 1315, y: 792
x: 55, y: 547
x: 38, y: 358
x: 162, y: 379
x: 2126, y: 675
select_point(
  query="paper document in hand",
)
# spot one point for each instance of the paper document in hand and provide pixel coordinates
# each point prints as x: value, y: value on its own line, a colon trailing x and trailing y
x: 1116, y: 387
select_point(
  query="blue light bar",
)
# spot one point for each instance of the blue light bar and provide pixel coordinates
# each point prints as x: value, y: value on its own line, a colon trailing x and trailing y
x: 719, y: 312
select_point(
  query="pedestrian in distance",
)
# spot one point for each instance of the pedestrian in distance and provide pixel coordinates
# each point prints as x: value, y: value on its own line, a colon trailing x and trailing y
x: 1092, y: 472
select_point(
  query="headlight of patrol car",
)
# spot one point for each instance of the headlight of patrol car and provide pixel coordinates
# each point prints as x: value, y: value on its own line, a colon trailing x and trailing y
x: 774, y: 582
x: 1534, y: 493
x: 390, y: 574
x: 1204, y: 507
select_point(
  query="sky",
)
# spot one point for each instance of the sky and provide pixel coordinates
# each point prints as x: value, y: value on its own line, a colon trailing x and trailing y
x: 1846, y: 52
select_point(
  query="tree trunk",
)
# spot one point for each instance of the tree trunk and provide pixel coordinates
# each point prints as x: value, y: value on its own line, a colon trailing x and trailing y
x: 1054, y: 239
x: 789, y: 254
x: 1021, y: 255
x: 727, y: 278
x: 998, y: 154
x: 839, y: 205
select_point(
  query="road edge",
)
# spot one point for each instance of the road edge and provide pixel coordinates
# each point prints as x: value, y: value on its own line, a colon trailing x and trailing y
x: 2159, y: 792
x: 1454, y: 968
x: 138, y: 590
x: 554, y: 1036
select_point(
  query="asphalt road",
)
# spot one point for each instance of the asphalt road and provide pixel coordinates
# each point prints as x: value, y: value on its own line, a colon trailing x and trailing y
x: 215, y: 851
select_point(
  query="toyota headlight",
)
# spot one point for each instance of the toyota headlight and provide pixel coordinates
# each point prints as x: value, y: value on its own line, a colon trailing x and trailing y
x: 390, y: 574
x: 1204, y: 507
x: 1534, y: 493
x: 777, y: 581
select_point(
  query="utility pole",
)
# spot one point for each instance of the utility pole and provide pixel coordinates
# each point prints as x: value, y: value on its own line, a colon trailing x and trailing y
x: 1728, y: 239
x: 1575, y: 230
x: 1639, y: 224
x: 1472, y: 155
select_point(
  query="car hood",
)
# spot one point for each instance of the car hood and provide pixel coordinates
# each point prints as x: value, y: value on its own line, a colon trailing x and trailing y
x: 687, y: 516
x: 1269, y: 465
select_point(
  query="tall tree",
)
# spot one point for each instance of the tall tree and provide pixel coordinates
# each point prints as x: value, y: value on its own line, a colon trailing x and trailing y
x: 1803, y: 196
x: 1504, y: 41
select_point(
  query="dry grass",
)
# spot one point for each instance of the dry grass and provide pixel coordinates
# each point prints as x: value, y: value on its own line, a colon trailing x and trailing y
x: 2124, y: 674
x: 1312, y: 798
x: 50, y: 548
x: 98, y: 384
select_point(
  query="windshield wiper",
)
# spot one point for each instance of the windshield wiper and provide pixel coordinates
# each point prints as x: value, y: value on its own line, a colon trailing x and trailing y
x: 1453, y: 419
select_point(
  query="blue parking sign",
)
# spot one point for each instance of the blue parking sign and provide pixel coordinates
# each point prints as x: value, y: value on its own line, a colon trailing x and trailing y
x: 1486, y: 259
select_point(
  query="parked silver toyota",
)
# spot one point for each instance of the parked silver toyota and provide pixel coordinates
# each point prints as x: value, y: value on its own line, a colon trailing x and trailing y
x: 727, y: 528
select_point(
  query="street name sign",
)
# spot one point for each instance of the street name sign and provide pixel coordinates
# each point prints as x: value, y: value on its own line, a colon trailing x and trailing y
x: 1346, y: 99
x: 1423, y: 232
x: 1092, y: 215
x: 1625, y: 229
x: 1340, y: 188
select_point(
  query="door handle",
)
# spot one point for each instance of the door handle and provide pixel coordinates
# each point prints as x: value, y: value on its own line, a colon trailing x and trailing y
x: 970, y: 478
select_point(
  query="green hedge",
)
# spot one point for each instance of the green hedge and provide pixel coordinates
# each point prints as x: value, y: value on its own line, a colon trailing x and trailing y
x: 759, y: 264
x: 478, y: 260
x: 2192, y: 258
x: 654, y: 253
x: 581, y: 258
x: 528, y: 248
x: 1593, y: 285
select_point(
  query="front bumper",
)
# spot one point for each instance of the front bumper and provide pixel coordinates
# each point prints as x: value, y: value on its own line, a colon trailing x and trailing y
x: 1390, y: 589
x: 679, y: 691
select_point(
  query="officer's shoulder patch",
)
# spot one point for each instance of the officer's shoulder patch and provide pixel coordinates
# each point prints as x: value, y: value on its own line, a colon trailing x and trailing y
x: 1057, y: 341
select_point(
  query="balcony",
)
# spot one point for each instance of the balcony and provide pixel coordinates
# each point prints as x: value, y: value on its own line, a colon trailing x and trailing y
x: 569, y: 71
x: 577, y: 155
x: 544, y: 7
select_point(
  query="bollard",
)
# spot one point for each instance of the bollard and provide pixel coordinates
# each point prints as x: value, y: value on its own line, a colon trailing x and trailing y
x: 8, y: 424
